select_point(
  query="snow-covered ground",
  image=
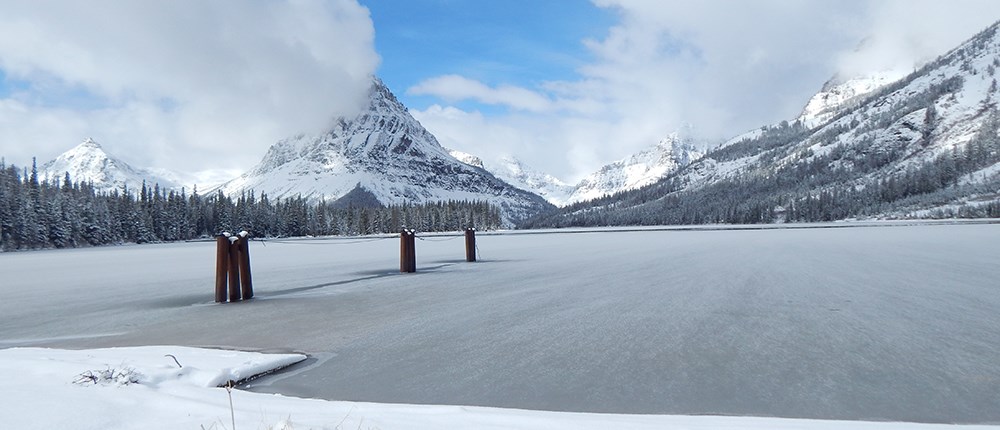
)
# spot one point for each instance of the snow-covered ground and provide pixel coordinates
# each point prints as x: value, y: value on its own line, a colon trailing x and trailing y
x: 54, y: 389
x: 878, y: 323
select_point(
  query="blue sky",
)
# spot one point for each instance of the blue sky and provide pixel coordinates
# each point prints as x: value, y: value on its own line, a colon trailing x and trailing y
x: 204, y: 88
x: 518, y: 42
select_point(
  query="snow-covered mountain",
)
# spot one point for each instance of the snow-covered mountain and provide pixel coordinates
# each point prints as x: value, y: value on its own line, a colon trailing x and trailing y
x: 88, y: 162
x: 383, y: 151
x: 643, y: 168
x: 515, y: 172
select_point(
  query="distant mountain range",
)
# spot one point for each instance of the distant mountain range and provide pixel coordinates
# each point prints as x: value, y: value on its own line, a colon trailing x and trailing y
x: 515, y: 172
x: 637, y: 170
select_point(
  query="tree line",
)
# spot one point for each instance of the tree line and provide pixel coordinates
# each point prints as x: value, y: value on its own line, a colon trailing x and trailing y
x: 38, y: 214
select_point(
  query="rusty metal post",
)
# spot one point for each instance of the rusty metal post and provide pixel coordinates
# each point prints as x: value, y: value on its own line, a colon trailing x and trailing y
x: 221, y: 268
x: 246, y: 282
x: 470, y: 245
x: 234, y: 271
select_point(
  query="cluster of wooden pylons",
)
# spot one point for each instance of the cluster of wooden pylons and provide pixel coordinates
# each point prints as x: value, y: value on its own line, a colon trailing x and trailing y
x: 232, y: 267
x: 233, y: 281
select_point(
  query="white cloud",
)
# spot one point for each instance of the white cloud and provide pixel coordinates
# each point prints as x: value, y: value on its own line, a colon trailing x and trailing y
x: 455, y: 125
x: 454, y: 88
x: 562, y: 145
x: 186, y: 84
x: 902, y: 34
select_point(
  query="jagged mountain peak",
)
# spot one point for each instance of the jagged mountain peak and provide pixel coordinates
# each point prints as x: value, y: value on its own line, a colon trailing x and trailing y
x: 90, y: 143
x: 385, y: 123
x: 384, y: 151
x: 88, y: 148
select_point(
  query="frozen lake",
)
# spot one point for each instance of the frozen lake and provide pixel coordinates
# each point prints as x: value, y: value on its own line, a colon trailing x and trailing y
x: 876, y: 323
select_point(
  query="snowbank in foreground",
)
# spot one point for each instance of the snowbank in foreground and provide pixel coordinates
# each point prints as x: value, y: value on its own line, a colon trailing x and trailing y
x: 144, y: 388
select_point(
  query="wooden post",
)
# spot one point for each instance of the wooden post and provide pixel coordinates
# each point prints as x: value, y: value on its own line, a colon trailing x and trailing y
x: 413, y: 251
x: 470, y: 245
x: 407, y: 251
x: 404, y: 259
x: 221, y: 267
x: 246, y: 282
x: 234, y: 271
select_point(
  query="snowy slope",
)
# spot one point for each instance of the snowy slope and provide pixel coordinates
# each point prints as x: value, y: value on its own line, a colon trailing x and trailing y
x: 839, y: 94
x: 640, y: 169
x: 515, y: 172
x: 89, y: 162
x: 385, y: 151
x: 937, y: 109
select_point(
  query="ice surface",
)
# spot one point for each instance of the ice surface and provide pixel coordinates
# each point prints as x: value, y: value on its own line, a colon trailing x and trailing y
x: 878, y: 323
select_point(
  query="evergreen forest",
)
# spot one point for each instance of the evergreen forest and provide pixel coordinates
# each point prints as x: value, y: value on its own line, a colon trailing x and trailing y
x: 37, y: 214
